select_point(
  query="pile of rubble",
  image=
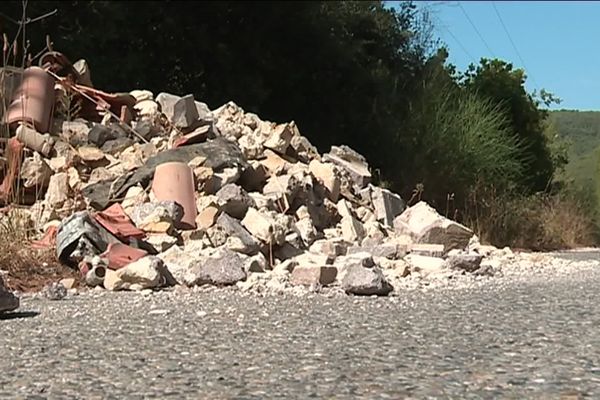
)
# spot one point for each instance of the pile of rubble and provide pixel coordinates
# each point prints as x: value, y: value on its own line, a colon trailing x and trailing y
x: 141, y: 191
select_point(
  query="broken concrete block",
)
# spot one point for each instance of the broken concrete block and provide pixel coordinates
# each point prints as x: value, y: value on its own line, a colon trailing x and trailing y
x: 302, y: 149
x: 426, y: 249
x: 224, y: 267
x: 464, y: 262
x: 313, y: 275
x: 234, y: 200
x: 167, y: 104
x: 58, y: 190
x: 344, y: 208
x: 147, y: 108
x: 359, y: 280
x: 145, y: 273
x: 35, y: 172
x: 234, y: 229
x: 307, y: 230
x: 207, y: 217
x: 251, y: 146
x: 161, y: 242
x: 283, y: 187
x: 264, y: 227
x: 90, y: 154
x: 427, y: 226
x: 354, y: 163
x: 425, y: 265
x: 352, y: 230
x: 388, y: 250
x: 142, y: 95
x: 387, y: 205
x: 185, y: 113
x: 308, y: 258
x: 326, y: 175
x: 157, y: 217
x: 274, y: 164
x: 279, y: 138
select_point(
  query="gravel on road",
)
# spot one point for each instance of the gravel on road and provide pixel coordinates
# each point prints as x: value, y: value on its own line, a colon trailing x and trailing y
x: 516, y: 335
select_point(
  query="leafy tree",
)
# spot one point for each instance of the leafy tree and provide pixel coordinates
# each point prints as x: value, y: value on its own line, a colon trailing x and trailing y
x: 498, y: 81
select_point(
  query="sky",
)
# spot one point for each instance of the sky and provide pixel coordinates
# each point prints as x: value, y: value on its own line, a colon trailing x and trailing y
x: 556, y: 43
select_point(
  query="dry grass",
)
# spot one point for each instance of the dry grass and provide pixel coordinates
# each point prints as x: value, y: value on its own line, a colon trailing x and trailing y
x: 24, y: 268
x: 28, y: 269
x: 540, y: 222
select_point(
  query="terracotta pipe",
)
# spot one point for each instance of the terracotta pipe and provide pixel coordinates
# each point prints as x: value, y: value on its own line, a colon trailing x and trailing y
x: 174, y: 181
x: 33, y: 101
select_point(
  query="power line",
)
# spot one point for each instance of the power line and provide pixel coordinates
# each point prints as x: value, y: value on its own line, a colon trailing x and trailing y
x: 513, y: 43
x: 461, y: 45
x: 476, y: 30
x: 440, y: 23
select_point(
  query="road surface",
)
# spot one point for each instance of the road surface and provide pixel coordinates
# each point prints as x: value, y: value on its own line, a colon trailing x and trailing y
x: 502, y: 338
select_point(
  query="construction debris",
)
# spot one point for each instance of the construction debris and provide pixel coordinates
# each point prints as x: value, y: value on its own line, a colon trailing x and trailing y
x: 151, y: 191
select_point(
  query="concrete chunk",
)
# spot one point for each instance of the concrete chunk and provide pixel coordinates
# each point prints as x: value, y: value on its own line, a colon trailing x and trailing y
x: 427, y: 226
x: 387, y: 205
x: 185, y: 113
x: 313, y: 275
x: 365, y: 281
x: 234, y: 200
x: 279, y: 138
x: 354, y: 163
x: 326, y: 175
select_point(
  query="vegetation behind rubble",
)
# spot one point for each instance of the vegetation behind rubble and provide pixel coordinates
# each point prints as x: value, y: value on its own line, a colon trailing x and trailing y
x: 475, y: 143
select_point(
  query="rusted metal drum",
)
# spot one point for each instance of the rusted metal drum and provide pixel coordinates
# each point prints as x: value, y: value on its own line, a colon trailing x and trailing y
x: 33, y: 101
x: 174, y: 181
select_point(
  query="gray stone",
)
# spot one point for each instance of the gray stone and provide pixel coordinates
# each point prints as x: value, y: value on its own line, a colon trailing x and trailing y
x: 117, y: 145
x: 185, y: 113
x: 54, y: 291
x: 365, y: 281
x: 8, y: 301
x: 234, y: 200
x: 233, y: 228
x: 387, y: 205
x: 167, y: 104
x: 146, y: 215
x: 100, y: 134
x: 222, y: 268
x: 464, y: 262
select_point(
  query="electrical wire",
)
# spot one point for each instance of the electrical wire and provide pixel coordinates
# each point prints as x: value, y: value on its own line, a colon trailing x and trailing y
x: 476, y: 30
x: 513, y: 43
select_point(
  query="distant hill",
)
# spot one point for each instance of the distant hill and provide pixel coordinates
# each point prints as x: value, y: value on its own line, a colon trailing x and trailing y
x: 581, y: 129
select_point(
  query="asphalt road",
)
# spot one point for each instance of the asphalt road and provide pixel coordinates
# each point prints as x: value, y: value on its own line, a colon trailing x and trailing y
x: 518, y: 340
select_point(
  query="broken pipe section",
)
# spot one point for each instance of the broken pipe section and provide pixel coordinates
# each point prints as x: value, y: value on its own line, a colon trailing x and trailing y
x: 33, y: 101
x: 175, y: 181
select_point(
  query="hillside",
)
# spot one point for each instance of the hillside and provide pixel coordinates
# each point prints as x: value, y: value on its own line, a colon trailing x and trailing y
x: 581, y: 128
